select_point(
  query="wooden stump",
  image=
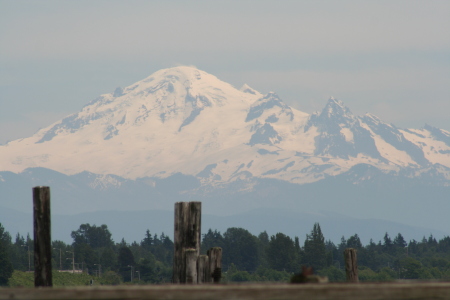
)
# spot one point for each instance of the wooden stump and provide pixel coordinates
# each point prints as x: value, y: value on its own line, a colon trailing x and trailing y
x: 203, y: 269
x: 351, y: 265
x: 42, y: 237
x: 191, y: 266
x: 187, y: 235
x: 215, y: 264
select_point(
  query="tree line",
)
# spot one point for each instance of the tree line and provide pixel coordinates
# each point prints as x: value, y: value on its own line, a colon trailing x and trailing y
x: 246, y: 257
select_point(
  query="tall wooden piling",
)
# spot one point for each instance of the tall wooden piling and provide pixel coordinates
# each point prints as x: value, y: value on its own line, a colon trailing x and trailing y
x: 351, y: 265
x: 42, y: 237
x: 187, y: 235
x: 215, y: 264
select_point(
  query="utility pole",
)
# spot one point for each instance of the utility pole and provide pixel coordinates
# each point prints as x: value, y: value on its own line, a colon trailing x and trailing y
x: 99, y: 269
x: 73, y: 260
x: 131, y: 270
x: 60, y: 261
x: 29, y: 257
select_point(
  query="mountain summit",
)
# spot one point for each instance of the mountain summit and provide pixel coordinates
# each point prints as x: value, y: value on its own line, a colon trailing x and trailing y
x: 184, y: 120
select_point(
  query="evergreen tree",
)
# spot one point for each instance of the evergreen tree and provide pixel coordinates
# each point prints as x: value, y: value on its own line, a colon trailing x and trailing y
x: 354, y: 242
x: 263, y: 244
x: 6, y: 267
x: 147, y: 242
x: 315, y: 253
x: 371, y: 258
x: 399, y: 241
x: 19, y: 253
x: 399, y: 245
x: 413, y: 247
x: 332, y: 254
x: 126, y: 262
x: 297, y: 244
x: 168, y: 246
x: 211, y: 239
x: 282, y: 253
x: 123, y: 243
x: 240, y: 248
x: 342, y: 245
x: 432, y: 241
x: 156, y: 240
x: 387, y: 242
x: 444, y: 245
x: 147, y: 267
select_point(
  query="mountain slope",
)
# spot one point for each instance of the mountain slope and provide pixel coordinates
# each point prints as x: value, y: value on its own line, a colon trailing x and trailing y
x: 364, y: 192
x: 186, y: 120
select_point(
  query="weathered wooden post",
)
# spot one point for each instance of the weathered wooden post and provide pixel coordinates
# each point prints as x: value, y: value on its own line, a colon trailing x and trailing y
x: 351, y: 265
x: 202, y: 269
x: 215, y: 264
x: 191, y: 266
x: 42, y: 237
x: 187, y: 235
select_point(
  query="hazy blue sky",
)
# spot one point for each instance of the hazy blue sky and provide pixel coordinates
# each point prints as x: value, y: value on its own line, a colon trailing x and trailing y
x: 390, y: 58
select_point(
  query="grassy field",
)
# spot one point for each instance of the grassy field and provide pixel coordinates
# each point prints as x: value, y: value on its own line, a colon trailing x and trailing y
x: 63, y: 279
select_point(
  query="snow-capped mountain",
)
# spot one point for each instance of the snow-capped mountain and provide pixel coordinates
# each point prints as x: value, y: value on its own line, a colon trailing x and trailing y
x: 184, y: 120
x: 181, y: 134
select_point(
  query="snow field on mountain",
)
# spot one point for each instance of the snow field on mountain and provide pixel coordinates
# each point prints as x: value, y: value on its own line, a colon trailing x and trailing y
x: 437, y: 152
x: 389, y: 152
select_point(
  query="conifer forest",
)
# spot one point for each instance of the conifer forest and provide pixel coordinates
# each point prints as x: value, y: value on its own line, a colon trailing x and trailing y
x: 93, y: 256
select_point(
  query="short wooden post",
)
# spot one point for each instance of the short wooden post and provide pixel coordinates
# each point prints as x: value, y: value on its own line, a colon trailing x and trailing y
x: 215, y: 264
x: 202, y: 269
x: 191, y: 266
x: 42, y: 237
x: 351, y: 265
x: 187, y: 235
